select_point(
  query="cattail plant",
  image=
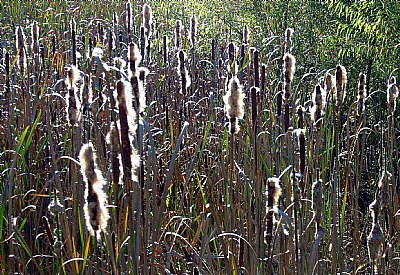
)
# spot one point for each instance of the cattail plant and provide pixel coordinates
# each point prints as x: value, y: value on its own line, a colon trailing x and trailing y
x: 114, y: 142
x: 183, y: 73
x: 375, y: 237
x: 35, y: 38
x: 73, y: 102
x: 392, y: 94
x: 362, y: 94
x: 289, y: 69
x: 288, y: 40
x: 147, y: 20
x: 96, y: 213
x: 245, y: 35
x: 273, y: 192
x: 129, y: 19
x: 318, y: 108
x: 178, y: 34
x: 234, y: 106
x: 193, y: 30
x: 21, y: 49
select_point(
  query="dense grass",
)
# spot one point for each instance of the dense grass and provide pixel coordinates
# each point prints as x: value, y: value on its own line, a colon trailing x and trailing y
x: 198, y: 202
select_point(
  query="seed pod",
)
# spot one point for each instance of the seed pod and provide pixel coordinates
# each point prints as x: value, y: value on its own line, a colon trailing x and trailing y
x: 21, y: 49
x: 392, y: 94
x: 183, y: 73
x: 288, y: 35
x: 289, y: 70
x: 273, y: 193
x: 178, y: 34
x: 318, y: 108
x: 147, y: 19
x: 245, y: 34
x: 193, y: 30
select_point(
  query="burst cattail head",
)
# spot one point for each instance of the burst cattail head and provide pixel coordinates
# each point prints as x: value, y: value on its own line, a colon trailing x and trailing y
x: 233, y: 100
x: 317, y: 200
x: 288, y: 39
x: 289, y: 70
x: 193, y: 30
x: 317, y: 110
x: 134, y: 57
x: 120, y: 64
x: 374, y: 240
x: 147, y: 19
x: 96, y: 213
x: 341, y: 81
x: 178, y: 33
x: 73, y: 103
x: 245, y: 35
x: 273, y: 192
x: 392, y: 94
x: 182, y: 71
x: 20, y: 43
x: 374, y: 208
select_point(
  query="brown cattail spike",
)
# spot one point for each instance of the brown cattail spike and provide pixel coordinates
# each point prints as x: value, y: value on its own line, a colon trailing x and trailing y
x: 73, y: 102
x: 362, y: 94
x: 193, y: 30
x: 245, y: 35
x: 116, y: 163
x: 178, y: 33
x: 341, y: 81
x: 96, y: 213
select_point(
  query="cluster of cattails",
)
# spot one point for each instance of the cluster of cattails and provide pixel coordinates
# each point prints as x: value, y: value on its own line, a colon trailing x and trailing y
x: 362, y: 94
x: 183, y: 72
x: 392, y: 94
x: 234, y: 105
x: 96, y: 213
x: 273, y: 193
x: 318, y: 108
x: 73, y: 102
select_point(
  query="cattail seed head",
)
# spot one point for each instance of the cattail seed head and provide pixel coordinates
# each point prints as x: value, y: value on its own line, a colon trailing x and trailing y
x: 362, y: 94
x: 21, y: 49
x: 330, y: 83
x: 288, y: 37
x: 178, y: 33
x: 392, y: 94
x: 302, y: 147
x: 233, y: 100
x: 96, y: 213
x: 289, y: 70
x: 129, y: 17
x: 374, y: 241
x: 116, y: 162
x: 134, y: 57
x: 73, y: 102
x: 182, y: 71
x: 279, y: 99
x: 273, y: 192
x: 318, y: 108
x: 341, y: 81
x: 147, y: 19
x: 245, y: 35
x: 317, y: 200
x: 300, y: 115
x: 193, y: 30
x: 383, y: 189
x: 35, y: 38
